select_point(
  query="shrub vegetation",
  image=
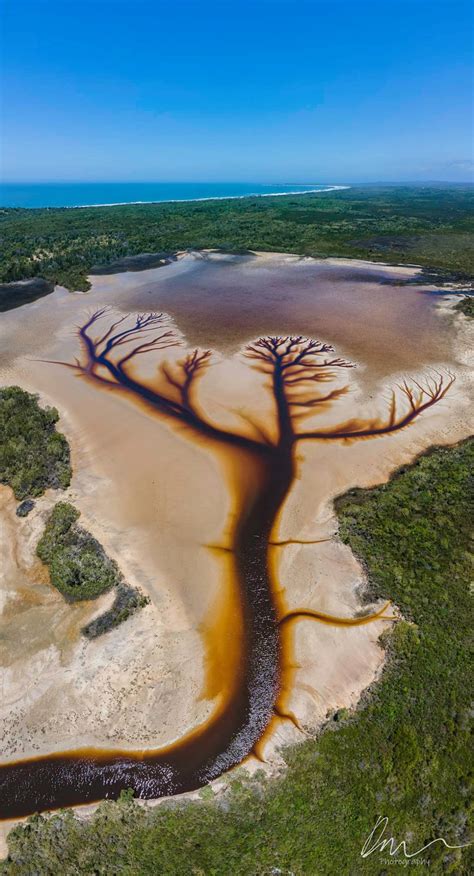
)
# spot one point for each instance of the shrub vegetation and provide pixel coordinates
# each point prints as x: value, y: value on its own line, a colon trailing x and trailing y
x: 127, y: 601
x: 466, y: 305
x: 80, y: 569
x: 33, y: 455
x: 78, y: 564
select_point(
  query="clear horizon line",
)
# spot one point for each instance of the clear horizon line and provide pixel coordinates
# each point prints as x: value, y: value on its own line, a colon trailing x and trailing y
x: 225, y: 181
x: 186, y: 182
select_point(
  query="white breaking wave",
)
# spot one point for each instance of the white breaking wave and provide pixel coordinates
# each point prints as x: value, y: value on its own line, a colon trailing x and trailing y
x: 312, y: 191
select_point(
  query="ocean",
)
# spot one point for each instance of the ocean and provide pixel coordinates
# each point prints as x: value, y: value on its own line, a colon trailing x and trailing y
x: 103, y: 194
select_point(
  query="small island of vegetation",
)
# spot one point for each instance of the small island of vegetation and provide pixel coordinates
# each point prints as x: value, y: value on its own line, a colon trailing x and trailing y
x: 34, y: 456
x: 80, y: 569
x: 466, y: 306
x: 78, y: 565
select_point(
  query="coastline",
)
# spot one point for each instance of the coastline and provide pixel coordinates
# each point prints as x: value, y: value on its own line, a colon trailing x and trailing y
x: 183, y: 200
x: 199, y: 200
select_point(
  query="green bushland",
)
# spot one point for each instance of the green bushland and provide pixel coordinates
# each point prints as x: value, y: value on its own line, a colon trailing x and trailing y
x: 33, y: 455
x: 466, y: 305
x: 405, y: 752
x: 426, y: 225
x: 78, y: 564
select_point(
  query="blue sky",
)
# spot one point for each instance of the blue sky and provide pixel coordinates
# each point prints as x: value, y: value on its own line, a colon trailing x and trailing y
x: 269, y: 90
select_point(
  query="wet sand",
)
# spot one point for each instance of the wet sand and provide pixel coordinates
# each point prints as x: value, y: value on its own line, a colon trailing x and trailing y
x: 229, y: 300
x: 158, y: 500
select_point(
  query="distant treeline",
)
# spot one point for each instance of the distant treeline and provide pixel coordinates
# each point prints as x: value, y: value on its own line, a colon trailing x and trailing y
x: 429, y: 226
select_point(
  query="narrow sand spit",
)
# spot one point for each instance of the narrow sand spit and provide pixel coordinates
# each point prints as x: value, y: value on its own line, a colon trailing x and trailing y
x: 161, y: 502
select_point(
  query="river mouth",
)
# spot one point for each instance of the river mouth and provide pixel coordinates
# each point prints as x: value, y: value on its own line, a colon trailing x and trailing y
x: 164, y: 503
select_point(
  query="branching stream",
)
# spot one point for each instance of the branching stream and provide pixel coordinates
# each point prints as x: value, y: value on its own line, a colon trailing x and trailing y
x: 298, y: 370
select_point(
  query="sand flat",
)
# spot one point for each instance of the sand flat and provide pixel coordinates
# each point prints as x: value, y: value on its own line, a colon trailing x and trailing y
x: 159, y: 500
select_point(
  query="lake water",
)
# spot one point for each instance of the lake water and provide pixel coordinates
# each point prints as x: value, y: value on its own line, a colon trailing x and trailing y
x: 83, y: 194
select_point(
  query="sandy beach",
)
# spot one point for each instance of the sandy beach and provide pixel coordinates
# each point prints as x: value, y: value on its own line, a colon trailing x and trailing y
x: 161, y: 502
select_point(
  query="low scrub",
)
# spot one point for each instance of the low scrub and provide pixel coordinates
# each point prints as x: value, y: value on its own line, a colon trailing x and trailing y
x: 80, y: 569
x: 127, y: 601
x: 78, y: 565
x: 33, y: 455
x: 466, y: 306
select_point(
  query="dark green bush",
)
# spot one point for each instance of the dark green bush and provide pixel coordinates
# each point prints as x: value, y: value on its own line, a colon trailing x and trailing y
x: 127, y: 602
x: 466, y: 305
x: 33, y: 455
x: 80, y: 569
x: 78, y: 564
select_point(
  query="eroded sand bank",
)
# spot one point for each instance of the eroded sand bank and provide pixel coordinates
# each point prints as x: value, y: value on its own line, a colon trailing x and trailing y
x: 160, y: 501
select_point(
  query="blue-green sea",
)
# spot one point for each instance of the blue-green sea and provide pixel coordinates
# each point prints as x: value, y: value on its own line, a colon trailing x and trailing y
x: 92, y: 194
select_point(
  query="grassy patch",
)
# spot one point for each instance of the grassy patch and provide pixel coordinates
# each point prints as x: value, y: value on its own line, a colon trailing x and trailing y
x: 33, y: 455
x: 430, y: 226
x: 405, y: 753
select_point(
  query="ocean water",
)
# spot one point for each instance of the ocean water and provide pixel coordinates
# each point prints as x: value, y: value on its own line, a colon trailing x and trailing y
x: 96, y: 194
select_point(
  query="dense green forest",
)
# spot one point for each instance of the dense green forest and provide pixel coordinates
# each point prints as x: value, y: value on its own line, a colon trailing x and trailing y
x: 425, y: 225
x: 405, y: 753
